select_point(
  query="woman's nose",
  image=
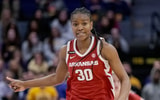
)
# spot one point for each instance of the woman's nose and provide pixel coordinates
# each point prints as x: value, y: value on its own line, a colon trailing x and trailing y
x: 80, y: 27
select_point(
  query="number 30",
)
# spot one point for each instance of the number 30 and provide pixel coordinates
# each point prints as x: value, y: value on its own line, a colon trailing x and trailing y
x: 86, y: 74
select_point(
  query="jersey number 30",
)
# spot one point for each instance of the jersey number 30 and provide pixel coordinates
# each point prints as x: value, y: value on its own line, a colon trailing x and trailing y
x: 85, y: 74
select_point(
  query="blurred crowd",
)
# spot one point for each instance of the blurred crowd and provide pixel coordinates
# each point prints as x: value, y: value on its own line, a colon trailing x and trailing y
x: 34, y: 53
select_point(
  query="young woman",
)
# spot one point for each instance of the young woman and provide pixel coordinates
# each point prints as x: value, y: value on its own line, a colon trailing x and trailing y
x: 89, y: 61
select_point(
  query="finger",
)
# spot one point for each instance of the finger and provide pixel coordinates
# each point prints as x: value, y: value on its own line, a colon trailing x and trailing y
x: 10, y: 79
x: 14, y: 88
x: 12, y: 84
x: 17, y: 89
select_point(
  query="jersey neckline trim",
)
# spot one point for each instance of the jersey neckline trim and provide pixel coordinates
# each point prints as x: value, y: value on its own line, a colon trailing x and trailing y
x: 87, y: 51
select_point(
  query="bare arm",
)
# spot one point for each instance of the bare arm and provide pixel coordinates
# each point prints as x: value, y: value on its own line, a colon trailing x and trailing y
x: 49, y: 80
x: 112, y: 56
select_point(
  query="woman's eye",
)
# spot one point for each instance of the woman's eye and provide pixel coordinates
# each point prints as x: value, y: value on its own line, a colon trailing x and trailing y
x: 84, y: 24
x: 75, y: 24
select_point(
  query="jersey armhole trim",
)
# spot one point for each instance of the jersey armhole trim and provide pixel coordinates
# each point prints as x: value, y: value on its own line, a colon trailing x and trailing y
x: 67, y: 55
x: 98, y: 52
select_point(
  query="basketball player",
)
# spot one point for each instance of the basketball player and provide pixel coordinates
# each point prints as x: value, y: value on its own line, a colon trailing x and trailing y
x: 89, y: 61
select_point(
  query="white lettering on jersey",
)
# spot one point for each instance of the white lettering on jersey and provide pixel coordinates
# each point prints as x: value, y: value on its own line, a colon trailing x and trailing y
x: 85, y: 63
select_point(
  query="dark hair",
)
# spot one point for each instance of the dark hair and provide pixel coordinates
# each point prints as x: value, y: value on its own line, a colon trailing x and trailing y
x: 52, y: 38
x: 30, y: 45
x: 84, y: 10
x: 17, y: 40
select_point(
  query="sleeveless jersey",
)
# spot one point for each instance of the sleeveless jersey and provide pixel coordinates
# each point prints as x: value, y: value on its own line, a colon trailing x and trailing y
x: 90, y: 74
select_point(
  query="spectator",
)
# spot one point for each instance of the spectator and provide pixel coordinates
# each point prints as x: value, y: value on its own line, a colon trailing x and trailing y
x: 135, y: 82
x: 52, y: 45
x: 156, y: 65
x: 38, y: 65
x: 120, y: 7
x: 30, y: 46
x: 43, y: 25
x: 59, y: 4
x: 26, y: 75
x: 11, y: 41
x: 151, y: 91
x: 33, y: 26
x: 13, y: 5
x: 51, y: 12
x: 6, y: 93
x: 120, y: 44
x: 42, y: 93
x: 63, y: 24
x: 17, y: 56
x: 16, y: 8
x: 6, y: 18
x: 112, y: 21
x: 15, y: 68
x: 104, y: 25
x: 95, y: 5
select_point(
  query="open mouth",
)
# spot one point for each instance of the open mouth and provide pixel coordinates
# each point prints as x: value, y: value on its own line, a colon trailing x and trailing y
x: 80, y: 33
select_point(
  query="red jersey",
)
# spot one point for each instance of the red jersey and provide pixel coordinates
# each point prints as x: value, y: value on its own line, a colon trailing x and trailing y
x: 90, y: 74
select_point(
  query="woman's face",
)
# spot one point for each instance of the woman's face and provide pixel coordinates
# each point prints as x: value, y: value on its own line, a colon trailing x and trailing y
x: 17, y: 55
x: 81, y: 26
x: 38, y: 58
x: 38, y: 14
x: 63, y: 15
x: 105, y: 21
x: 33, y: 38
x: 55, y: 32
x: 6, y: 14
x: 34, y: 25
x: 11, y: 34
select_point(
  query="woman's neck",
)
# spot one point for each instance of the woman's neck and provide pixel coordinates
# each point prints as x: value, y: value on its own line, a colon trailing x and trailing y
x: 82, y: 46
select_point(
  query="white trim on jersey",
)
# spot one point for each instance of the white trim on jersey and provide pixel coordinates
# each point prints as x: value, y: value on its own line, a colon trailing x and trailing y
x: 67, y: 55
x: 98, y: 52
x: 90, y: 47
x: 107, y: 66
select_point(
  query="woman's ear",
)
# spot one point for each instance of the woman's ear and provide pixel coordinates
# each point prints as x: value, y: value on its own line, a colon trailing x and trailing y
x: 91, y: 27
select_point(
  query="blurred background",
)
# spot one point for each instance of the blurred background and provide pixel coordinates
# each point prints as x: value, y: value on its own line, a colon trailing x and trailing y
x: 32, y: 32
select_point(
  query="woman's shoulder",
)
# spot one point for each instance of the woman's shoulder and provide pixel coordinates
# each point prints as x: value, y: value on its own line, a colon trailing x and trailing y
x: 63, y: 51
x: 108, y: 50
x: 107, y: 46
x: 63, y: 48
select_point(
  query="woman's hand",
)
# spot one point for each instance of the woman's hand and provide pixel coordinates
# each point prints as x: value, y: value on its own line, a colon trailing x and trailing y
x: 16, y: 85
